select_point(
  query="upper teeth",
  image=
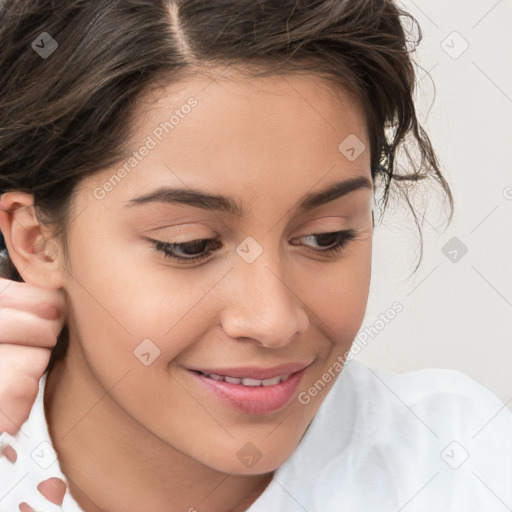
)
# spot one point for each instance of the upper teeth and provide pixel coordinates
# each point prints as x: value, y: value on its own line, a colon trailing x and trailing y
x: 247, y: 381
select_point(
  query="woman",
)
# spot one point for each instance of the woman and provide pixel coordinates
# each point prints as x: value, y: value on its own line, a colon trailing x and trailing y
x: 147, y: 154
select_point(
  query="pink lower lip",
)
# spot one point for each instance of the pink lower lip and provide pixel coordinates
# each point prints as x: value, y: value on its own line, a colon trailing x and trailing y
x: 252, y: 400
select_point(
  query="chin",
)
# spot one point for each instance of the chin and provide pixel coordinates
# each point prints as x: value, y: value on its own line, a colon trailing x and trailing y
x: 249, y: 460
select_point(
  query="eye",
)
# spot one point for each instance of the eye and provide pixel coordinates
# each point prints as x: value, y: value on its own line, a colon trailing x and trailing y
x: 333, y: 242
x: 190, y: 249
x: 197, y: 250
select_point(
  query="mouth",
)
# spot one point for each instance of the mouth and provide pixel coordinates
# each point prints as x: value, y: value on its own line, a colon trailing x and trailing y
x: 247, y: 381
x: 252, y: 390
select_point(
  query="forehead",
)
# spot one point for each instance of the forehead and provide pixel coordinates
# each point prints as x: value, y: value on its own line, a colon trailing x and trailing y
x: 235, y: 135
x: 241, y: 106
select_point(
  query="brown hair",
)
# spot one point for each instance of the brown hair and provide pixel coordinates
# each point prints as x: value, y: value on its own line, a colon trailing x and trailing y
x: 68, y: 115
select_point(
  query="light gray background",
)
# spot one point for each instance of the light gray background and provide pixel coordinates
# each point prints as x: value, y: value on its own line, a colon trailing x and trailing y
x: 455, y: 314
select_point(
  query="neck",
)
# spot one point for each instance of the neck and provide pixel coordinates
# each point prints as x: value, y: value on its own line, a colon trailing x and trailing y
x: 113, y: 463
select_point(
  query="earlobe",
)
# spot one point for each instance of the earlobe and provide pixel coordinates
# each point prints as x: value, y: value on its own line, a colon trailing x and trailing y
x: 35, y: 256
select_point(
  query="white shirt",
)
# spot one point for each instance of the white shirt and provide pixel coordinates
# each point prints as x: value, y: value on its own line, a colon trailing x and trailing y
x: 427, y: 440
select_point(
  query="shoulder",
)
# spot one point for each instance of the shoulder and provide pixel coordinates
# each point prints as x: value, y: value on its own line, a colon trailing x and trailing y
x: 433, y: 438
x: 432, y: 402
x: 434, y: 387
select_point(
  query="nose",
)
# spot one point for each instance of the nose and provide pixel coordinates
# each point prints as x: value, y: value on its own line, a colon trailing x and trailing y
x: 263, y: 307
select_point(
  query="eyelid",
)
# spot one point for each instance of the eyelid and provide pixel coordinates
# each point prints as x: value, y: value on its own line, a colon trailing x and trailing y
x: 176, y: 230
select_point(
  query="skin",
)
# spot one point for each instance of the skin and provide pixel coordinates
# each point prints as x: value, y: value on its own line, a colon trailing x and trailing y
x: 24, y: 353
x: 158, y: 438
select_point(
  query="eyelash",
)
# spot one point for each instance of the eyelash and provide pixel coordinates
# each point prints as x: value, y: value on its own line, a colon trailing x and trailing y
x: 168, y: 249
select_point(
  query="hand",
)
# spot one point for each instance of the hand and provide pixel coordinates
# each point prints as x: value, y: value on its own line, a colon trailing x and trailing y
x: 31, y: 319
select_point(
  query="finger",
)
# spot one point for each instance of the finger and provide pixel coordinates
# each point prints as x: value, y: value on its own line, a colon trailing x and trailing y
x: 53, y: 490
x: 43, y: 302
x: 24, y: 328
x: 18, y: 363
x: 21, y: 369
x: 15, y: 410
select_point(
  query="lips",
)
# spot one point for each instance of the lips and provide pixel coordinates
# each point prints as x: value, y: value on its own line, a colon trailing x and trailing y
x: 251, y: 390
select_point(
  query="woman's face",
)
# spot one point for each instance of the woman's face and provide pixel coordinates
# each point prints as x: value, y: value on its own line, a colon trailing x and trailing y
x: 269, y: 300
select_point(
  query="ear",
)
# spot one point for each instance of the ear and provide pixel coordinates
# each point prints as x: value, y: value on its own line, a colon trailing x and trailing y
x: 36, y: 257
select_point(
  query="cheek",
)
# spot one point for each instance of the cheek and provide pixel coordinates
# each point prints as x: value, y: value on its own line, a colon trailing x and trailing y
x: 122, y: 299
x: 338, y: 293
x: 118, y: 303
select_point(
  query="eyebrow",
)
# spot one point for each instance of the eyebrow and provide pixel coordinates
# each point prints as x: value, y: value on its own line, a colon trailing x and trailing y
x: 213, y: 202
